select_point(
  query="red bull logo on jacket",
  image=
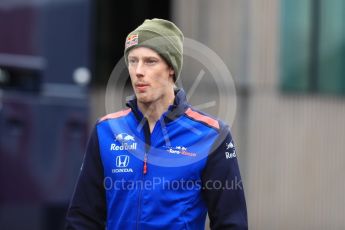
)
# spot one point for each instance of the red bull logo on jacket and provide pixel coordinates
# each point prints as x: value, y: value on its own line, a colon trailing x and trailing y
x: 127, y: 142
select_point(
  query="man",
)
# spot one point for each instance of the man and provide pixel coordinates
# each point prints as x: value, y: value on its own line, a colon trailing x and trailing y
x: 160, y: 164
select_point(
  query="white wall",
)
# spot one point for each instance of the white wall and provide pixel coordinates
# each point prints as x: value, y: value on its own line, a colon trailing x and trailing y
x: 292, y: 151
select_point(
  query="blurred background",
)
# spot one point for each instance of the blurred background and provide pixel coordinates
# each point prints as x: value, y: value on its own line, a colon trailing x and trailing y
x: 287, y: 58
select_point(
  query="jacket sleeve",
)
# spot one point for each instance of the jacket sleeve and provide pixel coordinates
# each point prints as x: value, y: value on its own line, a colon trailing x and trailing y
x: 222, y: 186
x: 87, y: 209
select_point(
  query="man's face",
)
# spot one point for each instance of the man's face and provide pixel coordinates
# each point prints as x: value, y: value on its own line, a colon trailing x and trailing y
x: 151, y: 76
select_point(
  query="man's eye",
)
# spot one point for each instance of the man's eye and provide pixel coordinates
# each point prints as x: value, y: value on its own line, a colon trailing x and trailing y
x: 151, y: 61
x: 132, y: 61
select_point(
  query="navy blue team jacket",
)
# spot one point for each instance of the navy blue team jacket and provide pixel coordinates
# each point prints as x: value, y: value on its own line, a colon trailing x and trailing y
x: 167, y: 179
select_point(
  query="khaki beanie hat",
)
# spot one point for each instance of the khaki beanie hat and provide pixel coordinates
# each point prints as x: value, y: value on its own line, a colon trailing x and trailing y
x: 162, y: 36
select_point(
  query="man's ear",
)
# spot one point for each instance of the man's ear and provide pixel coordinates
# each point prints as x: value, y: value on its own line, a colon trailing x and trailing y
x: 171, y: 72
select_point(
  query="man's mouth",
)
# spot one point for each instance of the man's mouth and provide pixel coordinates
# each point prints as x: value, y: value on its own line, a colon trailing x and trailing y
x: 141, y: 86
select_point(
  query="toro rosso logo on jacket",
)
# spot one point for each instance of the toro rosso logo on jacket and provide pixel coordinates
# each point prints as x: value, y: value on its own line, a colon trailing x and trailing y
x: 127, y: 142
x: 180, y: 150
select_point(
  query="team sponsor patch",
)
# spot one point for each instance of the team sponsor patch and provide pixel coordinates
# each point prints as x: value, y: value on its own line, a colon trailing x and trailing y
x: 132, y: 40
x: 122, y: 162
x: 230, y: 151
x: 127, y: 142
x: 179, y: 150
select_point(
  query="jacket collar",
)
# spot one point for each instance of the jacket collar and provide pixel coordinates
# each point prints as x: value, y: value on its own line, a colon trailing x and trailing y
x: 174, y: 111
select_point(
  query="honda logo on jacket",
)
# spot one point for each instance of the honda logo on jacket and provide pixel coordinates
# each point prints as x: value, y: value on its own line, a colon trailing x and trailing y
x: 122, y: 161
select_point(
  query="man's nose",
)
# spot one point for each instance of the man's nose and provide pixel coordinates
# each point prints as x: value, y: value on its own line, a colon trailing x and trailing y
x: 139, y: 70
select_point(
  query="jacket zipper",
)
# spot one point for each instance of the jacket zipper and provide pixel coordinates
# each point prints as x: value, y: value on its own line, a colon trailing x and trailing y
x: 145, y: 163
x: 147, y: 148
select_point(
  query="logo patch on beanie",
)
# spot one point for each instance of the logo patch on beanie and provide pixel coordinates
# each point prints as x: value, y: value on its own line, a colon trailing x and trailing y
x: 132, y: 40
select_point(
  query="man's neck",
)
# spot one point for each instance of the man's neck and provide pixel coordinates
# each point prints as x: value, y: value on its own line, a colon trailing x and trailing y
x: 153, y: 111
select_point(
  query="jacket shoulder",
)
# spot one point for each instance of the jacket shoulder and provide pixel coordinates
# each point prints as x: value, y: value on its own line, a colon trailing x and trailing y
x: 115, y: 115
x: 203, y: 118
